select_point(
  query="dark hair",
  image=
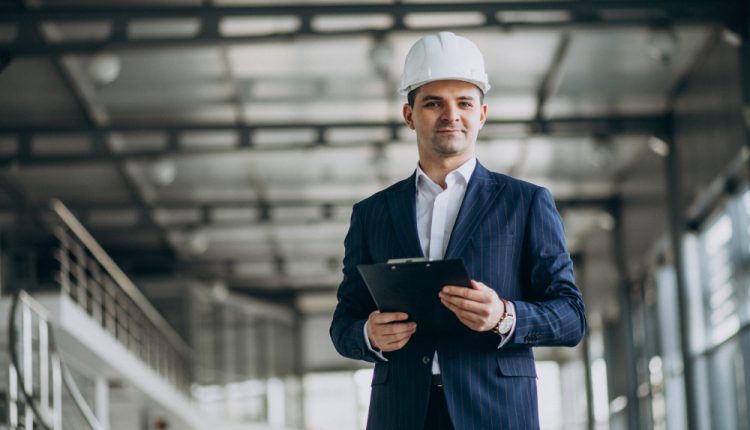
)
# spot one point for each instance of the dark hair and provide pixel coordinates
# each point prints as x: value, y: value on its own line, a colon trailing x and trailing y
x: 412, y: 97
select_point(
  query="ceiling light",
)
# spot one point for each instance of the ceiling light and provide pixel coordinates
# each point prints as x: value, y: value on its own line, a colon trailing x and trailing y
x: 197, y: 243
x: 659, y: 146
x: 381, y: 56
x: 163, y: 172
x: 219, y: 291
x: 731, y: 38
x: 606, y: 221
x: 104, y: 68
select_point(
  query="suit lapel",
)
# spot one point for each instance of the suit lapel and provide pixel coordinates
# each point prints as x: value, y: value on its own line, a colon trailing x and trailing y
x: 481, y: 193
x: 402, y: 203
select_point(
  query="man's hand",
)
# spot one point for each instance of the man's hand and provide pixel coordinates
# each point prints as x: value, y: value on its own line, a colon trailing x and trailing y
x: 478, y: 307
x: 385, y: 333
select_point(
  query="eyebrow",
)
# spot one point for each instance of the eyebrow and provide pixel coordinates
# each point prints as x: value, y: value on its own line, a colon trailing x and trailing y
x: 437, y: 98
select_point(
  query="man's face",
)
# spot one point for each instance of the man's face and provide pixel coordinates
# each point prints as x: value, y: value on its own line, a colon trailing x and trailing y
x: 447, y: 116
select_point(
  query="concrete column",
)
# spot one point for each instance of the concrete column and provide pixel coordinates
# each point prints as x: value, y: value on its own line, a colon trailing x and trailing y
x: 677, y: 228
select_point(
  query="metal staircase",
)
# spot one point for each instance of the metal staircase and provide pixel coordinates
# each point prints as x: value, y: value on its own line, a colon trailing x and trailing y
x: 37, y: 389
x: 88, y: 322
x: 41, y: 391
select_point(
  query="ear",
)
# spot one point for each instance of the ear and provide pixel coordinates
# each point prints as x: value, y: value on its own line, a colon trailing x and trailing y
x: 406, y: 111
x: 482, y: 115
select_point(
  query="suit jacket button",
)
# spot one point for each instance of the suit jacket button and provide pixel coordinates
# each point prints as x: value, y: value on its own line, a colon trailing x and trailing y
x: 425, y: 359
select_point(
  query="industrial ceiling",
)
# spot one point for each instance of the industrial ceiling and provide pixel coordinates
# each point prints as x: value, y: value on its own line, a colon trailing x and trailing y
x: 228, y: 139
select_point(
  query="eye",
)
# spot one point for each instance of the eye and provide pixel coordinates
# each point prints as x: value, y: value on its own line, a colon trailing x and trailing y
x: 467, y: 105
x: 431, y: 104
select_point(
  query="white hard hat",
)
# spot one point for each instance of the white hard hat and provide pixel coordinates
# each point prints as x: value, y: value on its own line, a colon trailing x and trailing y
x: 443, y: 56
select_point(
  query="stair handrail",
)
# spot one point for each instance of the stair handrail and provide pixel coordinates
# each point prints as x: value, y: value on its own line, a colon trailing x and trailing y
x: 71, y: 222
x: 97, y: 284
x: 67, y: 377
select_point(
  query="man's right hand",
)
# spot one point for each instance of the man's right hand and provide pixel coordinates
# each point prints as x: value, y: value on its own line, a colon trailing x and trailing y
x: 386, y: 333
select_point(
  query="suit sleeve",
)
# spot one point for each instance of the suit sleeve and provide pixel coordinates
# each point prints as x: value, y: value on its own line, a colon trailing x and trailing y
x: 354, y: 301
x: 552, y: 311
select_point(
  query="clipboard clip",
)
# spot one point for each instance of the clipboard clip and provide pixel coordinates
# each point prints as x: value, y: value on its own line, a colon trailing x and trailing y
x: 408, y: 260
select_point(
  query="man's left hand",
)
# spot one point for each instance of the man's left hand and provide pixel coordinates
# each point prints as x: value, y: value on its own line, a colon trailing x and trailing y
x: 478, y: 307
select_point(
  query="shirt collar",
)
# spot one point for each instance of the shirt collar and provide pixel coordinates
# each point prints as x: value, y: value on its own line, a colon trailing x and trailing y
x: 465, y: 170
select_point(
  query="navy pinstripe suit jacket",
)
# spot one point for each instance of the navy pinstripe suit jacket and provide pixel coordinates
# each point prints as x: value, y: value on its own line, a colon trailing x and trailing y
x: 510, y: 237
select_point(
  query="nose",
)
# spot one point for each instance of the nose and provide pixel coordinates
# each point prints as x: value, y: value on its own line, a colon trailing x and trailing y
x: 450, y: 113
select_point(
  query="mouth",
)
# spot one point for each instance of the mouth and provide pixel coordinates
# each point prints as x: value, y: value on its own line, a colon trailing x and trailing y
x: 449, y: 130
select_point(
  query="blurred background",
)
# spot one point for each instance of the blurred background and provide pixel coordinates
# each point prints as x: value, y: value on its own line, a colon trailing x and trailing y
x: 177, y: 176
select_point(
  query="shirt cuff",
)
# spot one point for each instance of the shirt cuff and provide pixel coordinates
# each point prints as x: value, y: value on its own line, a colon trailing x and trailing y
x: 377, y: 352
x: 503, y: 339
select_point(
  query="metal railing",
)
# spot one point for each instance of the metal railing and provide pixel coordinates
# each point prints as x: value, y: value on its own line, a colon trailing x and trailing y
x: 41, y: 390
x: 92, y: 279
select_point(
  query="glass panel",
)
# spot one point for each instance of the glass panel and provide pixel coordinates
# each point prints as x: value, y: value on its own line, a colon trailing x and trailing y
x: 724, y: 253
x: 719, y: 285
x: 723, y: 370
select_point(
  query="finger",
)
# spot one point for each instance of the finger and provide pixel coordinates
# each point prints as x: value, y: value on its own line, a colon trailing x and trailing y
x: 478, y: 285
x: 390, y: 338
x: 468, y: 323
x: 463, y: 291
x: 387, y: 317
x: 397, y: 339
x: 477, y: 322
x: 468, y: 293
x: 398, y: 345
x: 394, y: 328
x: 479, y: 308
x: 466, y: 317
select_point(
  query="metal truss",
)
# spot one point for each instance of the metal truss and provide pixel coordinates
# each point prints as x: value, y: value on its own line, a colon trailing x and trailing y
x: 575, y: 126
x: 326, y: 208
x: 502, y: 15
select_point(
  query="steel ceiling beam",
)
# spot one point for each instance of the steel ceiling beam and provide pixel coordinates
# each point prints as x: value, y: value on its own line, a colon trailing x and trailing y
x: 496, y: 14
x: 545, y: 89
x: 560, y: 127
x: 81, y: 209
x: 207, y: 218
x: 616, y: 124
x: 675, y: 8
x: 550, y: 80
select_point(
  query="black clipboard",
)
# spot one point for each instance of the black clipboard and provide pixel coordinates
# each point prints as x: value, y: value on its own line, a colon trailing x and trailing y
x: 413, y: 287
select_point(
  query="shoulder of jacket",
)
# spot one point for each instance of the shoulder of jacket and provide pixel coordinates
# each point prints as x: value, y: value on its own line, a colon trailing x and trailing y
x: 524, y: 186
x: 380, y: 196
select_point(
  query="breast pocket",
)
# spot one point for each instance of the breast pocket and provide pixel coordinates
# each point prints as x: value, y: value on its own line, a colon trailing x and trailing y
x: 493, y: 259
x: 494, y: 241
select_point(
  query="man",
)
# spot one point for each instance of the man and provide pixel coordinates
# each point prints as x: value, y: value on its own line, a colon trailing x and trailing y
x: 508, y: 234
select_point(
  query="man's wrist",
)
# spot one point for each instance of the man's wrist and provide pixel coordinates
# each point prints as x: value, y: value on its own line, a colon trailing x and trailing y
x: 506, y: 321
x: 371, y: 345
x: 370, y: 342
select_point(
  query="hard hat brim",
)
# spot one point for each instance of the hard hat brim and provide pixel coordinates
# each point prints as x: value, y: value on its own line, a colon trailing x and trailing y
x: 484, y: 87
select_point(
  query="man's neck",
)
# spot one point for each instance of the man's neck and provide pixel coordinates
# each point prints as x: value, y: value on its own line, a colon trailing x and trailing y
x: 437, y: 170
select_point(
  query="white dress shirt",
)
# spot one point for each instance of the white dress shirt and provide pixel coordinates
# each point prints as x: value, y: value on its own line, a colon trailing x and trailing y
x: 437, y: 210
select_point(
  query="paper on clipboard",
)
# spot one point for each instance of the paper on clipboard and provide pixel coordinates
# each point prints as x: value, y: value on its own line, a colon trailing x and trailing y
x: 413, y: 287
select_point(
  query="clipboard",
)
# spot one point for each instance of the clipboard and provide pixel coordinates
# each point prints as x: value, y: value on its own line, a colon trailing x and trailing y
x: 413, y: 286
